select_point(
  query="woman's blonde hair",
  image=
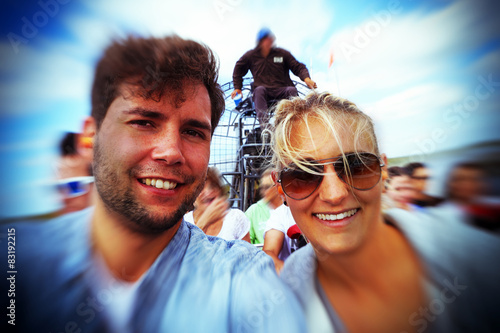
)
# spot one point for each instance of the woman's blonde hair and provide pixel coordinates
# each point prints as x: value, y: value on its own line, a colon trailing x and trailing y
x: 333, y: 112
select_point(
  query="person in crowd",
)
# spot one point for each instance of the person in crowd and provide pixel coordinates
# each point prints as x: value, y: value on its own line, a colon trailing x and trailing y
x: 270, y: 67
x: 212, y: 213
x: 259, y: 212
x: 363, y: 271
x: 420, y: 175
x: 468, y: 197
x: 277, y: 243
x: 400, y: 189
x: 74, y: 171
x: 132, y: 264
x: 466, y: 183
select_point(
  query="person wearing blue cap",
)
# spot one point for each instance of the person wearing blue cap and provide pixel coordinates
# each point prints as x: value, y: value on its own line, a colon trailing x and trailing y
x: 270, y: 67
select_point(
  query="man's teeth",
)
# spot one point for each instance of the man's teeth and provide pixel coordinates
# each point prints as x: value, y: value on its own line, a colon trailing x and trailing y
x: 334, y: 217
x: 159, y: 183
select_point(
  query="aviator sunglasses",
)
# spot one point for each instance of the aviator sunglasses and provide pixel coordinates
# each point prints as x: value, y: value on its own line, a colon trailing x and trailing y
x: 361, y: 171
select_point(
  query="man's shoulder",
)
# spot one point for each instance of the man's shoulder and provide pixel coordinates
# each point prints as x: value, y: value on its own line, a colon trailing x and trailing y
x: 250, y: 53
x: 222, y: 253
x: 280, y: 50
x: 60, y: 230
x: 237, y: 281
x: 50, y: 253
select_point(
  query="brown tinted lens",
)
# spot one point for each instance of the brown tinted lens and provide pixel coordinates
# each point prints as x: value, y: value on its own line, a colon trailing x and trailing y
x: 298, y: 184
x: 363, y: 170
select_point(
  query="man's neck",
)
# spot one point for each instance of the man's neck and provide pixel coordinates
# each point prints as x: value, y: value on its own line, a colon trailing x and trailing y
x: 274, y: 203
x: 265, y: 51
x: 128, y: 254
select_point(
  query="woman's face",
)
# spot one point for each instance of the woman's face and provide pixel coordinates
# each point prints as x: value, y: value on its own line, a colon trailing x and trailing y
x: 209, y: 193
x: 335, y: 218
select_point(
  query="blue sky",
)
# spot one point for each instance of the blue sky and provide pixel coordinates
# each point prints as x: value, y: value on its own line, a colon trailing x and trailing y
x: 426, y: 71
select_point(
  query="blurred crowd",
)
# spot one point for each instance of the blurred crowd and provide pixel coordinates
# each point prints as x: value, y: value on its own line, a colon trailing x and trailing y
x: 469, y: 193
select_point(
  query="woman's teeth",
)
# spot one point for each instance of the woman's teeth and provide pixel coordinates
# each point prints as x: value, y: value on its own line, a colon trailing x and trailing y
x: 159, y: 183
x: 334, y: 217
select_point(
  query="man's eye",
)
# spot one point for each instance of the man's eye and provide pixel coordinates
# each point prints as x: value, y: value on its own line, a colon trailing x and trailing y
x: 142, y: 123
x: 194, y: 133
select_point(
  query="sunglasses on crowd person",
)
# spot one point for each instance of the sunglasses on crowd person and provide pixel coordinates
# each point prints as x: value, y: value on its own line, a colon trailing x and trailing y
x: 75, y: 186
x: 361, y: 171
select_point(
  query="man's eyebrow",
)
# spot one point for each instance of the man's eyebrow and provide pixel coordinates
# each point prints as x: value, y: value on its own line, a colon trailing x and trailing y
x: 147, y: 113
x: 199, y: 124
x: 152, y: 114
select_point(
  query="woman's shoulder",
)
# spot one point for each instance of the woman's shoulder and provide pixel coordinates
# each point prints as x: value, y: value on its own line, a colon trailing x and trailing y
x: 235, y: 226
x: 299, y: 269
x: 299, y: 273
x: 236, y: 215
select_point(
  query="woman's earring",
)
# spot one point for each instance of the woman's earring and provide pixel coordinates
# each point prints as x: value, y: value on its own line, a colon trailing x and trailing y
x: 284, y: 203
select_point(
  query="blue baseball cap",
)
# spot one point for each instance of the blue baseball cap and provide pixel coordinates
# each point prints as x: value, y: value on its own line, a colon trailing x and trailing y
x: 263, y: 33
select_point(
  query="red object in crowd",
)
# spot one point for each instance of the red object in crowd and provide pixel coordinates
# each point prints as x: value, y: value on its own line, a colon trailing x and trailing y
x: 294, y: 232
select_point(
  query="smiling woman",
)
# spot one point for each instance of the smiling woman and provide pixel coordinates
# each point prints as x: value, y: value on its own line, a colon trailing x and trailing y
x: 362, y: 271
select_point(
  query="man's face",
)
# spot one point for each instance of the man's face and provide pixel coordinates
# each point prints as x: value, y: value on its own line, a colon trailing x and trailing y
x: 267, y: 189
x: 267, y: 42
x: 466, y: 184
x: 401, y: 189
x: 151, y: 157
x: 420, y: 177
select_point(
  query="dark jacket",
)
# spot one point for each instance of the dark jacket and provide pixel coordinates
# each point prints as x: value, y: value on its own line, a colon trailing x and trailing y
x: 271, y: 71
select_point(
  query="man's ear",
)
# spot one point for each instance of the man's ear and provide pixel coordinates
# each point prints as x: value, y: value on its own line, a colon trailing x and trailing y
x: 86, y: 138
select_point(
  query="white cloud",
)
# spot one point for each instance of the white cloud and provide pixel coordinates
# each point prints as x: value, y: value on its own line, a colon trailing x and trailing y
x: 39, y: 79
x: 407, y: 69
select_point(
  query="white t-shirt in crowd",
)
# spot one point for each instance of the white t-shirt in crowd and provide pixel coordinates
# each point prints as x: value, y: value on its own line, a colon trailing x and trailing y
x: 235, y: 225
x: 281, y: 219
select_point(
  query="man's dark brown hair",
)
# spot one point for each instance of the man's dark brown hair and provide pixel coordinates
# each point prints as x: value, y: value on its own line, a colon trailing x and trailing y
x: 156, y: 66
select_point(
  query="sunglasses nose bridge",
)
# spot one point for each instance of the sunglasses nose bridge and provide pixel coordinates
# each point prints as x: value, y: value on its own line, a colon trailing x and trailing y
x: 334, y: 169
x: 332, y: 187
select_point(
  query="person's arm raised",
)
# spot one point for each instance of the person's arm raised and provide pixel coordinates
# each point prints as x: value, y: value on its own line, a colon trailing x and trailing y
x: 273, y: 242
x: 206, y: 215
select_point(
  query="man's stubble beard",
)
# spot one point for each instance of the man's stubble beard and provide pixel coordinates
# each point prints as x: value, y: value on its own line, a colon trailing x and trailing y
x: 121, y: 200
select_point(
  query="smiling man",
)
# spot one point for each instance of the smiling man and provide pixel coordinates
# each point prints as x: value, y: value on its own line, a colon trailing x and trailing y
x: 131, y: 263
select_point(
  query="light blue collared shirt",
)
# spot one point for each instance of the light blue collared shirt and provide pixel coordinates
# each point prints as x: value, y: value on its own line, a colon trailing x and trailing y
x: 198, y: 283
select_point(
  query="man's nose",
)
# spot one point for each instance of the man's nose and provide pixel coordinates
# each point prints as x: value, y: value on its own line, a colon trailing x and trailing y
x: 168, y: 147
